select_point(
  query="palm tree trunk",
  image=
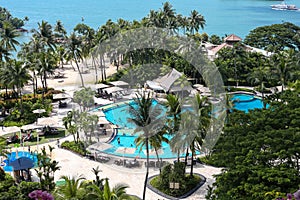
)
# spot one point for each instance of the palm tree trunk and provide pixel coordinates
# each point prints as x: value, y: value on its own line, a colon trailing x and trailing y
x: 96, y: 70
x: 158, y: 160
x: 82, y: 83
x: 192, y: 165
x: 186, y: 156
x: 147, y: 171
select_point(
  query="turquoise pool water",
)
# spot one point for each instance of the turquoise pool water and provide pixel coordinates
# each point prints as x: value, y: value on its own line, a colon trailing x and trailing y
x: 246, y: 102
x: 120, y: 116
x: 13, y: 156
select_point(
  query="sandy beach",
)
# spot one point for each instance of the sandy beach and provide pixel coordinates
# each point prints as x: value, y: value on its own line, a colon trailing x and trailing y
x: 71, y: 77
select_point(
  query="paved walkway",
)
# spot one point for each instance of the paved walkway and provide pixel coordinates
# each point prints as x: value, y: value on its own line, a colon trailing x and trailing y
x: 74, y: 165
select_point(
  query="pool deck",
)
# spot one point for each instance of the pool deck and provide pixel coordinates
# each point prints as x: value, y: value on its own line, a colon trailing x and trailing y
x: 74, y: 165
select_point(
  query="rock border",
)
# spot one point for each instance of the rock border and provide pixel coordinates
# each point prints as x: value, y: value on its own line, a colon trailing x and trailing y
x: 203, y: 180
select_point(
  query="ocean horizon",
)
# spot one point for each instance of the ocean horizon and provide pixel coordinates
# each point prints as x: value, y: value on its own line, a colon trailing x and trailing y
x: 222, y: 16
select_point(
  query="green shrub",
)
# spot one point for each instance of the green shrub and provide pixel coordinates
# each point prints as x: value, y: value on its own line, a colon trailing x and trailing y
x: 75, y: 147
x: 175, y: 173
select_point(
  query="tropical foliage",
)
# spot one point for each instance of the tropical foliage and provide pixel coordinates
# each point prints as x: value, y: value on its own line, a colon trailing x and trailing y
x: 259, y: 152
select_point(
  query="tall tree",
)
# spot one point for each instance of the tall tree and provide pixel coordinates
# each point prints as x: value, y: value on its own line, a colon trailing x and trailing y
x: 146, y: 118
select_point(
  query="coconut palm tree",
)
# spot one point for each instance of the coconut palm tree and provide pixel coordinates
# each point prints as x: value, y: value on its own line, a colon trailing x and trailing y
x: 193, y: 128
x: 44, y: 34
x: 146, y: 118
x: 18, y: 76
x: 74, y: 52
x: 195, y: 21
x: 72, y: 189
x: 9, y: 36
x: 174, y: 110
x: 283, y: 64
x: 155, y: 141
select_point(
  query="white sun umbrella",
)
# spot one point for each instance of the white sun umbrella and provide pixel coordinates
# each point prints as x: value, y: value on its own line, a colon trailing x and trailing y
x: 152, y: 152
x: 61, y: 96
x: 118, y: 83
x: 12, y: 129
x: 101, y: 101
x: 99, y: 146
x: 99, y: 113
x: 103, y: 120
x: 39, y: 111
x: 30, y: 127
x: 113, y: 89
x: 101, y: 86
x: 126, y: 150
x: 47, y: 121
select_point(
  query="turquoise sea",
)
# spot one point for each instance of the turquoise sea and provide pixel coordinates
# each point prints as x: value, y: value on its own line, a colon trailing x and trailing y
x: 222, y: 16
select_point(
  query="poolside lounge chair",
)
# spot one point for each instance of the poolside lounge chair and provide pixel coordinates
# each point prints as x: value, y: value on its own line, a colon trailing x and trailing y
x: 102, y: 159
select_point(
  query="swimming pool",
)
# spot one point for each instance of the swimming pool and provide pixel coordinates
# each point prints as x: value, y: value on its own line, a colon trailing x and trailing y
x: 246, y: 102
x: 119, y: 115
x: 13, y: 156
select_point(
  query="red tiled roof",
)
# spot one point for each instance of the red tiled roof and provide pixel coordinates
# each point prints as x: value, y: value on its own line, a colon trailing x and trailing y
x: 219, y: 47
x: 232, y: 38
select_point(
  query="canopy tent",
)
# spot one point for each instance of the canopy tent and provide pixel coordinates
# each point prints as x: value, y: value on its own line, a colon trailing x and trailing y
x: 167, y: 80
x: 112, y: 89
x: 61, y: 96
x: 22, y: 163
x: 118, y: 83
x: 154, y: 85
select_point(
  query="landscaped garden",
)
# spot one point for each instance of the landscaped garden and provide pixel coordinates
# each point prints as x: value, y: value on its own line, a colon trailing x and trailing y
x: 259, y: 150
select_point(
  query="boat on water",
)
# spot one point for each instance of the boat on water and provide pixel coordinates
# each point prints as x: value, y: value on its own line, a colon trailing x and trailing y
x: 284, y: 6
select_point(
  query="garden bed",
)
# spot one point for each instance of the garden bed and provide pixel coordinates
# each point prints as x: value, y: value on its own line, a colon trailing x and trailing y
x: 191, y: 186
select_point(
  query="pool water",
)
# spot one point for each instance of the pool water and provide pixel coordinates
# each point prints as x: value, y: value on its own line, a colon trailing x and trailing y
x: 13, y: 156
x: 119, y: 115
x: 246, y: 102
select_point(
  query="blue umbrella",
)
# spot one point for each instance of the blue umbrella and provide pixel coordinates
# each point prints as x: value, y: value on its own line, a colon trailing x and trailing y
x: 22, y: 163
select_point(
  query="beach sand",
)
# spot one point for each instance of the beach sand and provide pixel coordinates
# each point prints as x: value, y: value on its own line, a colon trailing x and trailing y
x: 72, y: 78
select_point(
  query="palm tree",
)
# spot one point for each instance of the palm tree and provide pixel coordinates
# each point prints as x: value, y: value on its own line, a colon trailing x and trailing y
x: 174, y: 110
x: 260, y: 76
x: 155, y: 141
x: 283, y: 65
x: 8, y: 36
x: 44, y: 34
x: 196, y: 21
x: 72, y: 189
x: 18, y: 76
x: 146, y: 118
x: 74, y: 52
x: 118, y: 192
x: 60, y: 29
x: 193, y: 127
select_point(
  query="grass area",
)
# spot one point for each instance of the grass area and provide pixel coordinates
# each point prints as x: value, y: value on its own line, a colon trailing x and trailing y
x: 189, y: 184
x: 42, y: 139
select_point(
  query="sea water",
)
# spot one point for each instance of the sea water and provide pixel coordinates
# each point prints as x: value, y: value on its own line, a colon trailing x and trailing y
x: 222, y: 16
